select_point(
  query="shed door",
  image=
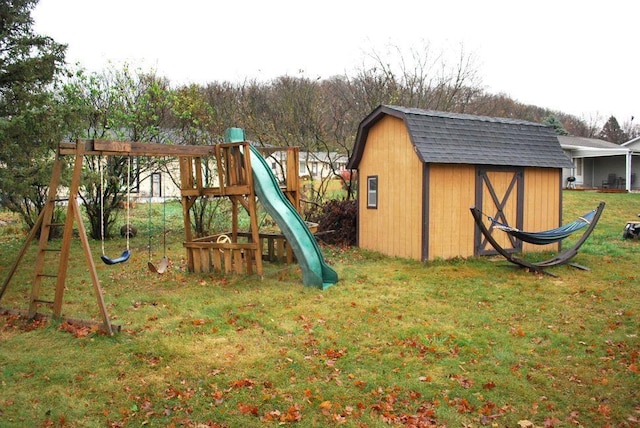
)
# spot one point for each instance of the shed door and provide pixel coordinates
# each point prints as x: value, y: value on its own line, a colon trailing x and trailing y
x: 499, y: 194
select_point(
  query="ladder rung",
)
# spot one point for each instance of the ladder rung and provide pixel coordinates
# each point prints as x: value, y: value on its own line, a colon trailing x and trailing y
x: 45, y: 302
x: 60, y: 200
x: 48, y: 275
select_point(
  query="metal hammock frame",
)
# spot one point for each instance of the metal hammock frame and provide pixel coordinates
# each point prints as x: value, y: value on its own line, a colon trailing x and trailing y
x: 542, y: 238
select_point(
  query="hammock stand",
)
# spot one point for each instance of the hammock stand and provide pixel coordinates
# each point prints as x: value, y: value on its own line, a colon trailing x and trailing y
x: 542, y: 238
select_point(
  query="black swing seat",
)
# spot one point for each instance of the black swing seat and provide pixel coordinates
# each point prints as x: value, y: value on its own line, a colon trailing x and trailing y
x: 123, y: 258
x: 543, y: 238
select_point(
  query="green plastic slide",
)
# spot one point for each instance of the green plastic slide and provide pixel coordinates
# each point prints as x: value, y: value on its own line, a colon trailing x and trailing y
x: 315, y: 271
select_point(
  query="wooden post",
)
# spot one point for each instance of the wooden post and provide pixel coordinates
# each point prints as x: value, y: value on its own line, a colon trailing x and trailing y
x: 68, y: 231
x: 186, y: 183
x: 253, y: 212
x: 220, y: 167
x: 293, y: 177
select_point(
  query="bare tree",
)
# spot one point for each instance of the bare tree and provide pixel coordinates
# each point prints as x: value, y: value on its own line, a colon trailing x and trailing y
x: 631, y: 129
x: 419, y: 77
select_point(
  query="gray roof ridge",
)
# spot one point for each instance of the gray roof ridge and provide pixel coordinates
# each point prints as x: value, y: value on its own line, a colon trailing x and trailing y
x: 464, y: 116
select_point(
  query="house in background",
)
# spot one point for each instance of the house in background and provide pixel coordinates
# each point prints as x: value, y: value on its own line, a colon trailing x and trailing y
x: 421, y: 171
x: 601, y: 164
x: 156, y: 185
x: 311, y: 165
x: 321, y: 165
x: 634, y: 162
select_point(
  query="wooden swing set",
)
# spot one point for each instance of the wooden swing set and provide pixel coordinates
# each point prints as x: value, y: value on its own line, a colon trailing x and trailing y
x: 234, y: 181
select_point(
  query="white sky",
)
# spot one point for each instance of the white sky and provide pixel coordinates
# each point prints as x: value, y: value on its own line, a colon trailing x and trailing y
x: 579, y: 57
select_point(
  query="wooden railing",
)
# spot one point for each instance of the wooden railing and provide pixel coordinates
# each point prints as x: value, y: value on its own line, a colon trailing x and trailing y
x: 208, y: 254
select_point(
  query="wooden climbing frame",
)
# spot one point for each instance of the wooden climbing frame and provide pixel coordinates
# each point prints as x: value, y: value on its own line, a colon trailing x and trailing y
x: 243, y: 254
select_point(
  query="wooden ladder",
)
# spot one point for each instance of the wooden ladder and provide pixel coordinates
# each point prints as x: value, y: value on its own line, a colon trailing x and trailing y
x: 45, y: 226
x: 43, y: 264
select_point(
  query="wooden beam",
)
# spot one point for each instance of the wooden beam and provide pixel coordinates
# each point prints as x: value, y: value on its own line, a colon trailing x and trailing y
x: 112, y: 146
x: 136, y: 148
x: 222, y: 245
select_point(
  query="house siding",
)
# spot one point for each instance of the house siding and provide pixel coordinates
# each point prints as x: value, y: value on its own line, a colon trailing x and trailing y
x: 395, y: 227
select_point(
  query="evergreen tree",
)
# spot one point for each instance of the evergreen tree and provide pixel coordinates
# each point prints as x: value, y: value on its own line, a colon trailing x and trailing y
x: 555, y: 123
x: 612, y: 132
x: 29, y: 115
x: 28, y: 62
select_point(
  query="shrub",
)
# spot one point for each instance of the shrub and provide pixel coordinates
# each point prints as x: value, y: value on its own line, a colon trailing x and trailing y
x: 337, y: 219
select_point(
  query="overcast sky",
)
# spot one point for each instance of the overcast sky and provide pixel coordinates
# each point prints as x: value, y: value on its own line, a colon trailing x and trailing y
x: 579, y: 57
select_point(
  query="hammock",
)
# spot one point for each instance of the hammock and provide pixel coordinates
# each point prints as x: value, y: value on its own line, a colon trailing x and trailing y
x: 547, y: 236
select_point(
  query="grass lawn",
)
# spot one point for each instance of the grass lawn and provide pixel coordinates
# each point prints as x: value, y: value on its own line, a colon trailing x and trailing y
x: 457, y: 343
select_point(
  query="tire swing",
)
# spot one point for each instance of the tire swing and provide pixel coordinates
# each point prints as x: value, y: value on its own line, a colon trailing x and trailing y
x: 164, y: 262
x: 126, y: 253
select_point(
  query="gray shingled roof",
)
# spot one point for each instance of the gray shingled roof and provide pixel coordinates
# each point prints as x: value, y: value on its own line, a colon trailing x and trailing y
x: 583, y: 142
x: 441, y: 137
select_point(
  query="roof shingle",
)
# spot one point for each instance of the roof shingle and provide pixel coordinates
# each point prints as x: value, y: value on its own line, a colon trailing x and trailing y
x: 441, y: 137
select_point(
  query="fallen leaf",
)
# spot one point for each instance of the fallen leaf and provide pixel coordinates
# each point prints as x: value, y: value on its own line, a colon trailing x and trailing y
x: 325, y: 406
x: 248, y: 409
x: 243, y: 383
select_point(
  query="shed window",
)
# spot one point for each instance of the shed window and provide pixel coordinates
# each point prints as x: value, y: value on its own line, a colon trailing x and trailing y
x: 372, y: 191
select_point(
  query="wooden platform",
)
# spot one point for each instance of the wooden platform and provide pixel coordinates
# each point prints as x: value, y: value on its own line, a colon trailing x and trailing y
x: 207, y: 254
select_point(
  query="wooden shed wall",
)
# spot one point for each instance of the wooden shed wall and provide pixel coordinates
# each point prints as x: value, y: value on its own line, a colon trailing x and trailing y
x: 451, y: 226
x: 542, y: 203
x: 395, y: 227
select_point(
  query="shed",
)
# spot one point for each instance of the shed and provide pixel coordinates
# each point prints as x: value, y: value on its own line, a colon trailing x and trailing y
x: 420, y: 172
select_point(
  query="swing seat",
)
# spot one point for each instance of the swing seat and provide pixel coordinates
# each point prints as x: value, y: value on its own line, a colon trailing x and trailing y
x: 123, y: 258
x: 161, y: 268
